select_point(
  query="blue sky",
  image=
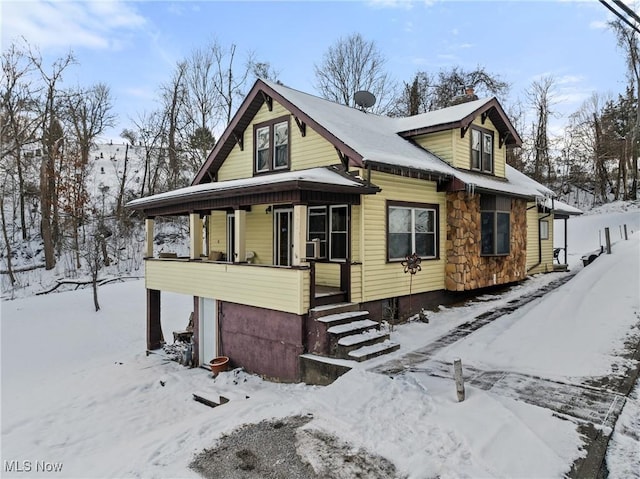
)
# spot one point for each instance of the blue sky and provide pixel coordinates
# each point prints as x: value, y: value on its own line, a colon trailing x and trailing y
x: 133, y: 46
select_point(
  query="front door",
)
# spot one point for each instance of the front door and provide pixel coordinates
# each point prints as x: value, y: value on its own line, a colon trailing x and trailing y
x: 283, y: 236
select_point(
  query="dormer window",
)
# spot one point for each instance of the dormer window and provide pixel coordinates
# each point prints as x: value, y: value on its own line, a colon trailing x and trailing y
x: 271, y: 145
x: 482, y: 150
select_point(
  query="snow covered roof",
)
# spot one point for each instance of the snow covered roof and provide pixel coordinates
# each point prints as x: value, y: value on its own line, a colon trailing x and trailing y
x: 561, y: 208
x: 367, y: 139
x: 371, y: 138
x: 320, y: 179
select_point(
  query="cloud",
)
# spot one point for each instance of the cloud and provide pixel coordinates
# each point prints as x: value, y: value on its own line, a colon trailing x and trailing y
x: 51, y: 25
x: 402, y: 4
x: 598, y: 25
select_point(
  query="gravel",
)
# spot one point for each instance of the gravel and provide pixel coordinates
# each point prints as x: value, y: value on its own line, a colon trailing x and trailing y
x: 283, y: 449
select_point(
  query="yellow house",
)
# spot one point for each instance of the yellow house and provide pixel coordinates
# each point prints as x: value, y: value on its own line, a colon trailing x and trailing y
x: 306, y: 212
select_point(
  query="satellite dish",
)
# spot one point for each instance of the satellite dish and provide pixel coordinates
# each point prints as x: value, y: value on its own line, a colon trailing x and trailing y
x: 364, y: 99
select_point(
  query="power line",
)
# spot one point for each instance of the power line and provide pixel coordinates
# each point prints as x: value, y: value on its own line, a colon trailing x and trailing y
x: 628, y: 11
x: 621, y: 16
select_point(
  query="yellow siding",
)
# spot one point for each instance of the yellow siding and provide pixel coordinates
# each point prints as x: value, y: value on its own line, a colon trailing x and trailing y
x: 462, y: 148
x: 259, y: 233
x: 534, y: 263
x: 382, y: 279
x: 218, y: 231
x: 455, y: 150
x: 356, y: 283
x: 306, y: 152
x: 355, y: 233
x: 328, y: 274
x: 281, y: 289
x: 440, y: 143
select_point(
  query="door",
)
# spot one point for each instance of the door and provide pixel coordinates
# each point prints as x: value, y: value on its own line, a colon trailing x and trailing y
x: 231, y: 237
x: 283, y: 236
x: 208, y: 328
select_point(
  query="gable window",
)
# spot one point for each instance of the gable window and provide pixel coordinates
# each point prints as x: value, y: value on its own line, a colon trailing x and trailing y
x: 411, y: 229
x: 495, y: 213
x: 271, y: 145
x: 482, y: 150
x: 330, y: 226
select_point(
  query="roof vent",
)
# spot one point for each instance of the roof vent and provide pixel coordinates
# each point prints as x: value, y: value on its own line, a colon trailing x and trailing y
x: 364, y: 99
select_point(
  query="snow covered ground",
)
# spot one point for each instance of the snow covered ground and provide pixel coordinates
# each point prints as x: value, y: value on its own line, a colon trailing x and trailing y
x: 80, y: 395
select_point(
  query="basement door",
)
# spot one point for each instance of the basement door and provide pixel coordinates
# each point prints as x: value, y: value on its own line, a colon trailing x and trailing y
x: 208, y: 328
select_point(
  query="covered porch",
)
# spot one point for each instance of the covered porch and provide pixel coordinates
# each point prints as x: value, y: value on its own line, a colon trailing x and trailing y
x: 273, y: 248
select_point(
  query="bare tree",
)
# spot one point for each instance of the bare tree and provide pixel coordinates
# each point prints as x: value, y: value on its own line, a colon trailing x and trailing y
x: 173, y: 95
x: 151, y: 132
x: 52, y: 143
x: 18, y: 116
x: 541, y: 97
x: 586, y: 149
x: 89, y: 114
x: 429, y: 92
x: 352, y: 64
x: 231, y: 79
x: 628, y: 41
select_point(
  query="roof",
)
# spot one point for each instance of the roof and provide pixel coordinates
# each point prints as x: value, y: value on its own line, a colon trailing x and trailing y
x: 561, y: 209
x: 314, y: 179
x: 362, y: 139
x: 460, y: 116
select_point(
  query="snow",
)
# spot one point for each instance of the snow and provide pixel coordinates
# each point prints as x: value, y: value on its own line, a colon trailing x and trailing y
x: 78, y: 389
x: 314, y: 175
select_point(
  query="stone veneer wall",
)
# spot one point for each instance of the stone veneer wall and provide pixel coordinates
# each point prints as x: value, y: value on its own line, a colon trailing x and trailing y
x: 465, y: 268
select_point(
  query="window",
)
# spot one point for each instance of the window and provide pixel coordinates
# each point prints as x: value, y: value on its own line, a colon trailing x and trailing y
x: 495, y: 212
x: 317, y: 227
x: 544, y: 230
x: 272, y: 145
x: 329, y: 225
x: 338, y: 232
x: 411, y: 229
x: 482, y: 150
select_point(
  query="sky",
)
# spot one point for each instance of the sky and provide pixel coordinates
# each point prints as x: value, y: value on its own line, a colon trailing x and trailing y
x: 134, y: 46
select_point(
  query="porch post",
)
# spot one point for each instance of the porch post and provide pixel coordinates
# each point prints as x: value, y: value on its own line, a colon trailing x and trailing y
x: 154, y: 328
x: 565, y: 241
x: 299, y: 234
x: 195, y: 235
x: 148, y: 244
x: 240, y: 224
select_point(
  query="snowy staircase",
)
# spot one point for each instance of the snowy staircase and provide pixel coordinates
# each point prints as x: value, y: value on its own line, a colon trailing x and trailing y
x: 339, y: 334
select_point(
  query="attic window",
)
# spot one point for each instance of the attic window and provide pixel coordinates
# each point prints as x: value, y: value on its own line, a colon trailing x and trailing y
x: 271, y: 145
x: 482, y: 150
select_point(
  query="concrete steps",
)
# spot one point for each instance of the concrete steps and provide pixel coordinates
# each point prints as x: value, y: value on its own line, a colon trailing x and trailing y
x: 341, y: 336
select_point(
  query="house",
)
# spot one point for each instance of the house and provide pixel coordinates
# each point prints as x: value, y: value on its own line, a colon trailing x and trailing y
x: 302, y: 215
